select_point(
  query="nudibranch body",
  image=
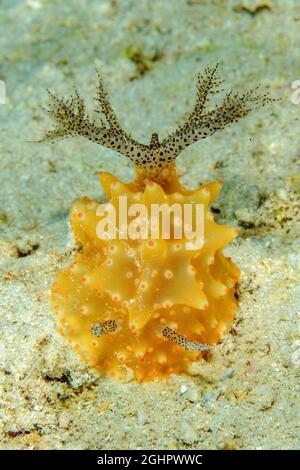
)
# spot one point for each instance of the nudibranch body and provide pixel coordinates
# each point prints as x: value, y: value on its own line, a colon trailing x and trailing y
x: 146, y: 307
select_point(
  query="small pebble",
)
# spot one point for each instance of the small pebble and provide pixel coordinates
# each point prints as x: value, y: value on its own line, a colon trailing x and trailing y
x: 193, y: 396
x: 35, y: 5
x: 141, y: 418
x: 210, y: 397
x: 227, y: 374
x: 282, y: 194
x: 187, y: 433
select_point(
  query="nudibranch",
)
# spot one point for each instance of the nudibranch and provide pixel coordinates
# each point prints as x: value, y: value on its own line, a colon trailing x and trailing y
x: 143, y: 307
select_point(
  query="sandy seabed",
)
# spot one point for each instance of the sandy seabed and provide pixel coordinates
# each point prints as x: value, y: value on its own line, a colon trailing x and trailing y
x: 247, y: 395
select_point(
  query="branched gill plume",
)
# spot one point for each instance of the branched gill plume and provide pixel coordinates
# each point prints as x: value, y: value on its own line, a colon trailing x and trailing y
x: 70, y: 119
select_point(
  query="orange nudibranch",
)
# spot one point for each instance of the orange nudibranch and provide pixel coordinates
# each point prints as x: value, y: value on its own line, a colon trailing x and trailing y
x: 146, y: 308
